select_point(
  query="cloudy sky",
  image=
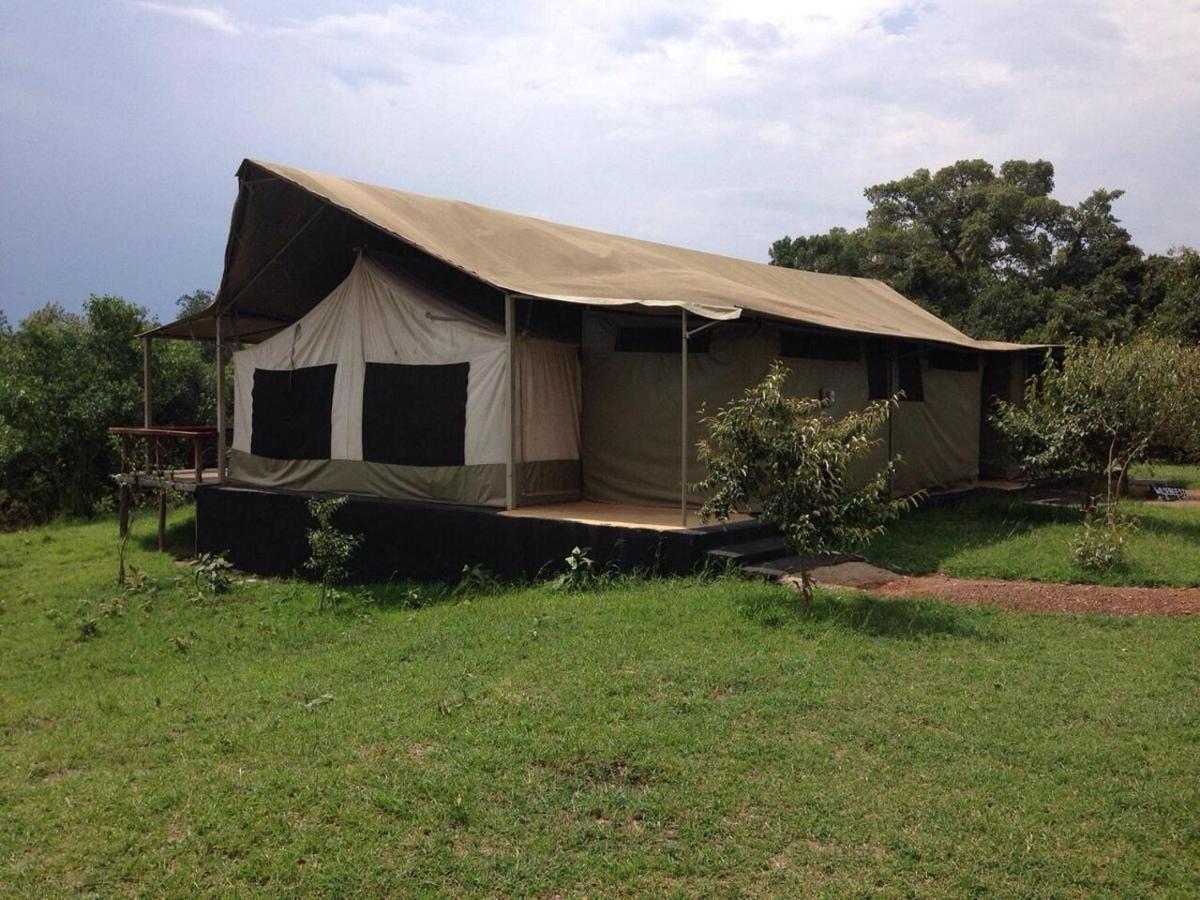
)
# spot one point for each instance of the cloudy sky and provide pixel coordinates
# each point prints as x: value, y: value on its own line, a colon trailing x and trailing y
x: 719, y: 125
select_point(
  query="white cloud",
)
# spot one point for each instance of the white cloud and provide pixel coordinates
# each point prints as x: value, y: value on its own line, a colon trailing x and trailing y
x: 212, y: 18
x: 720, y: 124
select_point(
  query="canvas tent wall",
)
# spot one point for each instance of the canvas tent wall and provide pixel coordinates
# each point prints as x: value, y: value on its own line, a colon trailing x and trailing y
x: 385, y: 388
x: 631, y: 435
x: 293, y: 238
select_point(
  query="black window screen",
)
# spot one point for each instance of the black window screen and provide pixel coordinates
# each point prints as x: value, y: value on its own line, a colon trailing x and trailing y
x: 415, y: 415
x: 291, y: 412
x: 908, y: 367
x: 953, y: 360
x: 805, y: 345
x: 878, y: 363
x: 658, y: 340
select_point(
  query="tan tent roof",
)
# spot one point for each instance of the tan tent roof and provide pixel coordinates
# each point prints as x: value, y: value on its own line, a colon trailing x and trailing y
x: 541, y: 259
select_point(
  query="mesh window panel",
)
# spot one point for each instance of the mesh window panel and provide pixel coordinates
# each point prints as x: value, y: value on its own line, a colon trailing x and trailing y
x: 658, y: 340
x: 805, y: 345
x: 908, y: 367
x: 291, y: 412
x: 877, y: 375
x: 415, y: 415
x: 953, y: 360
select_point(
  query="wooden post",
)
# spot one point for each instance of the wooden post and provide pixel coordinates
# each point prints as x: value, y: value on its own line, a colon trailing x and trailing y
x: 124, y: 491
x: 510, y: 365
x: 162, y: 519
x: 147, y: 393
x: 683, y: 417
x: 198, y: 457
x: 893, y: 362
x: 220, y: 403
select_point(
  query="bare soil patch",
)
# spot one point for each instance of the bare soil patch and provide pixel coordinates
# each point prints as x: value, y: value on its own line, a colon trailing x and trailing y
x: 1039, y: 596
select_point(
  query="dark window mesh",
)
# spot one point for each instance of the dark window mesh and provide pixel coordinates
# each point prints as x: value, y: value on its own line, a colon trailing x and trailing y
x: 658, y: 340
x: 415, y: 415
x: 953, y: 360
x: 805, y: 345
x: 908, y: 368
x: 291, y: 412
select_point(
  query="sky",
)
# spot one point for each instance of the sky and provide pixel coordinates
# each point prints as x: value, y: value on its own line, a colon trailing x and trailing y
x: 718, y: 125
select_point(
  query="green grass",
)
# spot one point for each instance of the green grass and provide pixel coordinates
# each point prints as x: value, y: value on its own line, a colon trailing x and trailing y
x: 1173, y: 473
x: 678, y: 737
x: 990, y: 537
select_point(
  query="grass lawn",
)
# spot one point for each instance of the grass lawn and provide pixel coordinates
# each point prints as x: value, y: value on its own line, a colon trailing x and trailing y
x: 678, y: 737
x: 1173, y: 473
x: 997, y: 537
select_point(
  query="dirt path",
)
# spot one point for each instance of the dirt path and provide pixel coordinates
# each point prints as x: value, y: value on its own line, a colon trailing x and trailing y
x: 1027, y: 596
x: 1036, y: 596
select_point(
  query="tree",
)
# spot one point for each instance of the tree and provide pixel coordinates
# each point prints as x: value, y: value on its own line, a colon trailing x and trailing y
x: 64, y: 379
x: 791, y: 459
x: 1104, y: 406
x: 1170, y: 294
x: 991, y: 251
x: 839, y: 252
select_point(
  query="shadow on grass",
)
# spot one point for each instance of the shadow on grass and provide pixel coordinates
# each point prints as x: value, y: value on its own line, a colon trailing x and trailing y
x: 906, y: 619
x: 923, y: 540
x: 1185, y: 528
x: 180, y: 537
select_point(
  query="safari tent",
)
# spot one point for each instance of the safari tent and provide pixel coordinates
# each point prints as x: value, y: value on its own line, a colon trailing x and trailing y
x: 407, y: 347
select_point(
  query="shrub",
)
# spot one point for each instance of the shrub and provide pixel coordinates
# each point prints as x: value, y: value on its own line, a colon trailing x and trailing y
x: 212, y: 573
x: 580, y: 573
x: 789, y: 457
x: 1102, y: 543
x: 330, y: 548
x: 1103, y: 406
x: 476, y: 579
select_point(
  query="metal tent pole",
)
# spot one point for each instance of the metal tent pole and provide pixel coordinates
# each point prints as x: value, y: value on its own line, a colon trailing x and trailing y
x: 683, y: 416
x: 510, y: 364
x: 147, y: 395
x: 220, y: 402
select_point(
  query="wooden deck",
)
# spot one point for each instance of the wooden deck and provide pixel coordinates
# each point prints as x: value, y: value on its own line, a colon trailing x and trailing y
x: 177, y: 479
x: 620, y: 515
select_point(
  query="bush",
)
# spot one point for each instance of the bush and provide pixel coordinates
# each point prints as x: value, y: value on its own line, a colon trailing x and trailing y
x: 791, y: 459
x: 330, y: 548
x: 580, y: 573
x: 1103, y: 542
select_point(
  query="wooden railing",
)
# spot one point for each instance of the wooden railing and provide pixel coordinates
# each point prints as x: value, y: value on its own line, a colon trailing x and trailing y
x: 156, y: 468
x: 158, y: 439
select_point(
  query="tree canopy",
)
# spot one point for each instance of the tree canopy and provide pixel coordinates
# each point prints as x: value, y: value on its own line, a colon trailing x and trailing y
x: 64, y: 379
x: 993, y: 253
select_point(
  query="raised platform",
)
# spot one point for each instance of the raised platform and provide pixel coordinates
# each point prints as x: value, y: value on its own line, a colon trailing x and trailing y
x: 265, y: 532
x: 619, y: 515
x: 177, y: 479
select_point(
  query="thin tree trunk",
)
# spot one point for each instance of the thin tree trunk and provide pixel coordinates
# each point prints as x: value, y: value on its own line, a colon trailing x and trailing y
x: 806, y: 587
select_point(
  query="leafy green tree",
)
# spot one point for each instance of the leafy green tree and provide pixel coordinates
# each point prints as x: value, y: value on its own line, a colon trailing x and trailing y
x: 791, y: 459
x: 992, y: 252
x: 64, y: 379
x: 1171, y: 293
x: 1104, y: 406
x: 1099, y: 411
x: 838, y: 252
x: 330, y: 548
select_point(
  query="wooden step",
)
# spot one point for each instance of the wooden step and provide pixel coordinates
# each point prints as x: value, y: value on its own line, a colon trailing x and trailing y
x: 785, y: 564
x: 746, y: 552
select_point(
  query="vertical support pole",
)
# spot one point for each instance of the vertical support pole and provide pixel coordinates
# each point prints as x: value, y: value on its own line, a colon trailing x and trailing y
x: 510, y: 365
x: 683, y: 416
x: 220, y: 403
x: 892, y: 384
x: 147, y: 394
x: 125, y: 492
x: 198, y: 458
x: 162, y: 519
